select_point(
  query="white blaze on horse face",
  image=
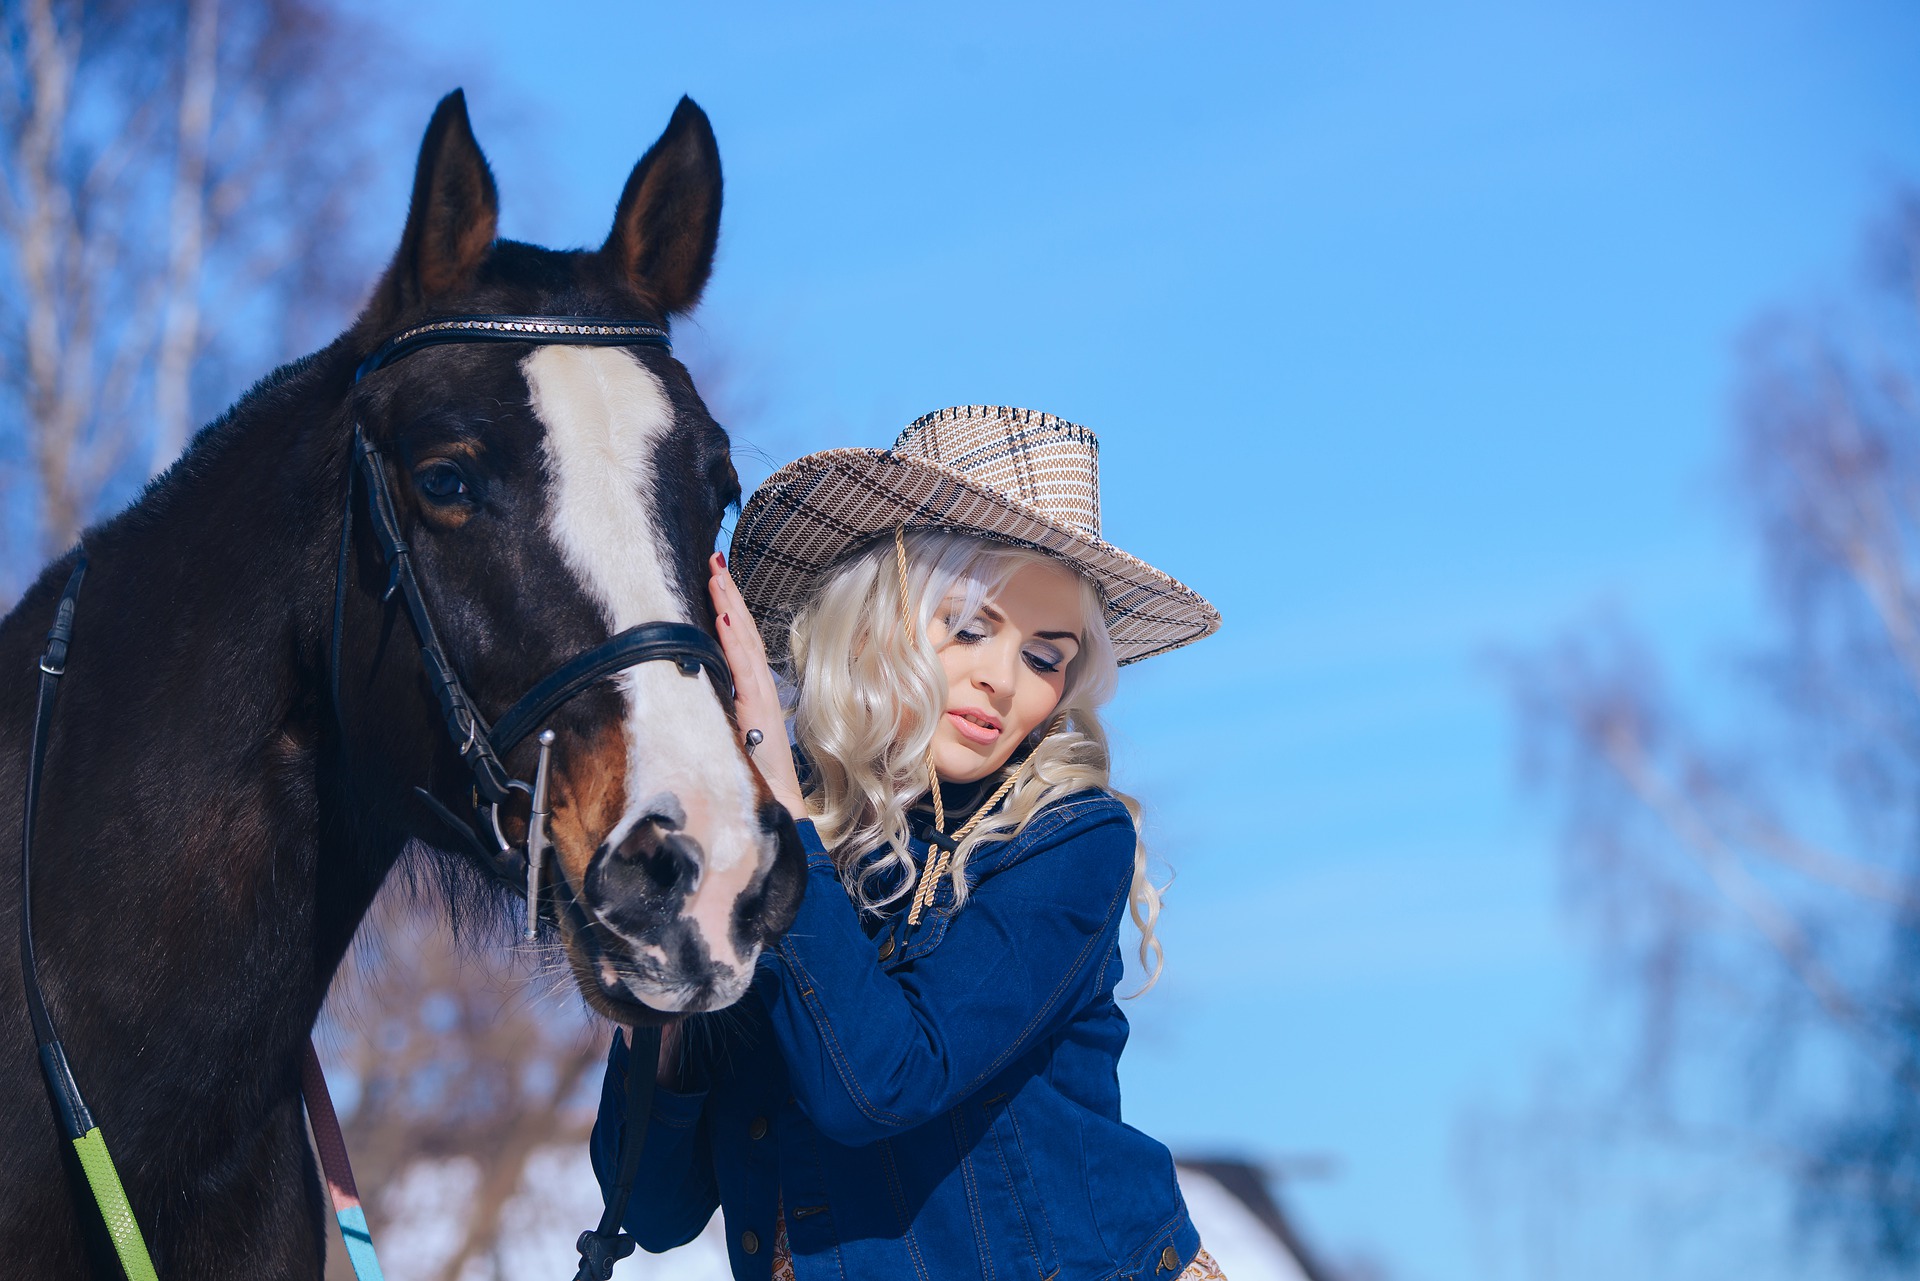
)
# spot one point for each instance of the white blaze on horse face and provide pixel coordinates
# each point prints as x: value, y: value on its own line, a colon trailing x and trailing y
x: 605, y: 414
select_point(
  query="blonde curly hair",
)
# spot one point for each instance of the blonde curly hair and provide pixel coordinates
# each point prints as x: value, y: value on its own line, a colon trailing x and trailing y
x: 867, y: 692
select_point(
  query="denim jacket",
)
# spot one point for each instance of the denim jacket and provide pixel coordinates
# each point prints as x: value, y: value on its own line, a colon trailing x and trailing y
x: 930, y: 1102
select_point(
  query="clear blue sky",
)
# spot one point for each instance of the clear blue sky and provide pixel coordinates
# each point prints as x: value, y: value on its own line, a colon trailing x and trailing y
x: 1408, y: 332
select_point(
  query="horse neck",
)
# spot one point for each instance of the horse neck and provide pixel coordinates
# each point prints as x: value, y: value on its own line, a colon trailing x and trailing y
x: 187, y: 846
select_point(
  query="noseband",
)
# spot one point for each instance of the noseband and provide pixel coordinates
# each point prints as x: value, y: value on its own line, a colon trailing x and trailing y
x: 481, y: 746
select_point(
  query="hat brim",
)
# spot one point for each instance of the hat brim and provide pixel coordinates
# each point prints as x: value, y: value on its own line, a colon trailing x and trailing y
x: 815, y: 510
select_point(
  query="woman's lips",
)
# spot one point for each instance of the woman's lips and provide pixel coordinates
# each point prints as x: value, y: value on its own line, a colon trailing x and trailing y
x: 972, y: 731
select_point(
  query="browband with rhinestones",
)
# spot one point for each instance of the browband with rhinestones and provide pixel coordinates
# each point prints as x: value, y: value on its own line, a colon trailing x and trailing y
x: 587, y: 331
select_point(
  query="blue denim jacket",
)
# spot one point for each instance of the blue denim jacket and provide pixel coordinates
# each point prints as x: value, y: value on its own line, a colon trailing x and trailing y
x: 934, y: 1102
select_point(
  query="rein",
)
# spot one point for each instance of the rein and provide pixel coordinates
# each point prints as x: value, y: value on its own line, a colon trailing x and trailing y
x: 481, y: 747
x: 70, y: 1110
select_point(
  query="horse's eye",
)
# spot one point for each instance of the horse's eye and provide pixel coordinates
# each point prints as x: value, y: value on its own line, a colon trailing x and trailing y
x: 726, y: 482
x: 441, y: 482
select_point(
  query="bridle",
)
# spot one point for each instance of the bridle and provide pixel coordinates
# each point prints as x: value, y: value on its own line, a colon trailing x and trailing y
x: 481, y: 746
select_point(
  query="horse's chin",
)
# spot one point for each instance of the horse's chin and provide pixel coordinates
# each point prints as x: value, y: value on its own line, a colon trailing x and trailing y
x: 611, y: 987
x: 620, y: 1010
x: 692, y: 998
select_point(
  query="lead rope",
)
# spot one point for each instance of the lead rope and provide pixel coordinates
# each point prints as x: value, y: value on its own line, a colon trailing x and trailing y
x: 603, y: 1246
x: 341, y: 1189
x: 937, y: 865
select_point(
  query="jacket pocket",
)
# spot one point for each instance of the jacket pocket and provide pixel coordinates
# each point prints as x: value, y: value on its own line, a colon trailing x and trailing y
x: 1036, y: 1233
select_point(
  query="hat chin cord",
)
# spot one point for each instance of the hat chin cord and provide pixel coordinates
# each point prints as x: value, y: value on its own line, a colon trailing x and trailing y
x: 939, y: 863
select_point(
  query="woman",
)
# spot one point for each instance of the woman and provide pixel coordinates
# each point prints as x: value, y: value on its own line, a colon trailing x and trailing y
x: 922, y: 1082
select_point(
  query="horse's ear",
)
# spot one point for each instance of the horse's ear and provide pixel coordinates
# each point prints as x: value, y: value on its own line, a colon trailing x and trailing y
x: 668, y: 222
x: 453, y: 219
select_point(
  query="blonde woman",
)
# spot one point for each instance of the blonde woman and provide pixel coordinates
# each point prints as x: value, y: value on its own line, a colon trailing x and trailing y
x: 922, y: 1082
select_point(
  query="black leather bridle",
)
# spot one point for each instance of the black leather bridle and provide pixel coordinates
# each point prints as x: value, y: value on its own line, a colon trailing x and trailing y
x: 482, y: 747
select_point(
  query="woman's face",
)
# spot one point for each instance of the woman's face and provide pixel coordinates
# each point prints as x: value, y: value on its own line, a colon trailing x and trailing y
x: 1005, y: 668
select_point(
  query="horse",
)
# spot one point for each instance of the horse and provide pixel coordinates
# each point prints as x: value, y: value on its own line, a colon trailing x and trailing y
x: 248, y: 737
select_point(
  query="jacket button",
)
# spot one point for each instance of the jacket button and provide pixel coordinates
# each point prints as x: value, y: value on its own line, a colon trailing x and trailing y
x: 758, y: 1128
x: 750, y: 1241
x: 1169, y: 1259
x: 886, y: 948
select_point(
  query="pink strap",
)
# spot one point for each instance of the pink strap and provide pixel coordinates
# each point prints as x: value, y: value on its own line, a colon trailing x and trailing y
x: 326, y: 1134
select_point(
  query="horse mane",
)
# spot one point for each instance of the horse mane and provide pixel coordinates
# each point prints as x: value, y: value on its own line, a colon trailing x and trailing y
x: 285, y: 393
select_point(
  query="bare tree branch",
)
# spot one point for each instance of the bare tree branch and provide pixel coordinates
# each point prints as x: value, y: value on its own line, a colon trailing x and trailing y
x: 1761, y: 911
x: 1829, y: 867
x: 180, y: 331
x: 1763, y: 904
x: 172, y: 177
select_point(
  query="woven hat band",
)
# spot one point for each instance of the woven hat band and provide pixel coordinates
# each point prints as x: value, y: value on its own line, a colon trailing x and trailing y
x: 1046, y: 462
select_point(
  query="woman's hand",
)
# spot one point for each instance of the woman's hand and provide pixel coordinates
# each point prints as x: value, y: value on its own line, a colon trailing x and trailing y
x: 756, y: 701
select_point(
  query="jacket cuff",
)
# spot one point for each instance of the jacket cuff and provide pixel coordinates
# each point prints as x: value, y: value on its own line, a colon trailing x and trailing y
x: 817, y: 856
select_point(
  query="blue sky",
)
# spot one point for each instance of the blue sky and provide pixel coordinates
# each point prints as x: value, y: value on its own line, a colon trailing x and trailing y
x: 1408, y: 332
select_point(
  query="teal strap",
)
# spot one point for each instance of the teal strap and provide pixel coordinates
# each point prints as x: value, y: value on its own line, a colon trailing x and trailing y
x: 114, y: 1209
x: 353, y: 1230
x: 331, y: 1145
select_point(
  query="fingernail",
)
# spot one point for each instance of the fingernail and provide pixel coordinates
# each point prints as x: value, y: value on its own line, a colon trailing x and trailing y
x: 725, y: 621
x: 722, y: 558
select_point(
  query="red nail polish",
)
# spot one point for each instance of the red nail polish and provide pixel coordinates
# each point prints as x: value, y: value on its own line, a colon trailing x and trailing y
x: 725, y: 621
x: 722, y: 558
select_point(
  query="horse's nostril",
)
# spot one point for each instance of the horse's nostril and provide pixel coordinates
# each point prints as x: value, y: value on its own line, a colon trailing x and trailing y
x: 664, y: 867
x: 666, y: 859
x: 640, y: 883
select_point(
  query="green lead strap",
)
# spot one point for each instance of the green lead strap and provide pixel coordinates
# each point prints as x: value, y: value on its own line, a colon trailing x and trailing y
x: 103, y: 1179
x: 63, y: 1092
x: 115, y: 1211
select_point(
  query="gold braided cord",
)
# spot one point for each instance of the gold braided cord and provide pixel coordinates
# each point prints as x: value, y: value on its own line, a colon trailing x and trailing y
x: 900, y: 563
x: 937, y: 867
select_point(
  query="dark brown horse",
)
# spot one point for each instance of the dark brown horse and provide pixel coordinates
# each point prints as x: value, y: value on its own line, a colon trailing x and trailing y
x: 210, y: 834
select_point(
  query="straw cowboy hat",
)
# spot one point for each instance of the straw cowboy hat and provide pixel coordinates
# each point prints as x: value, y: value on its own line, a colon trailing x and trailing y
x: 1014, y: 475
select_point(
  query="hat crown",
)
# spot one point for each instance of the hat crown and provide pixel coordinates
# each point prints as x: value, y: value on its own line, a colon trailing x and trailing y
x: 1047, y: 463
x: 1012, y: 476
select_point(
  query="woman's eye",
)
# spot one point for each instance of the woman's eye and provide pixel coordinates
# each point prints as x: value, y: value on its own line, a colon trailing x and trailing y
x: 441, y: 482
x: 1045, y: 664
x: 966, y: 632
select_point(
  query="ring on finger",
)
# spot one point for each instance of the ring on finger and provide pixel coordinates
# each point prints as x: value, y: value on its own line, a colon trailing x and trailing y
x: 754, y: 739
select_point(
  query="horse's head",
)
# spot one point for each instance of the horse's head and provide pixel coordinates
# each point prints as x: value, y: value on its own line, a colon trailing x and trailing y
x: 551, y: 496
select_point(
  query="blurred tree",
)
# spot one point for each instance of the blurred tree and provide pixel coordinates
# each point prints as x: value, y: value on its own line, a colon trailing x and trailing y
x: 454, y: 1056
x: 177, y: 183
x: 1757, y: 890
